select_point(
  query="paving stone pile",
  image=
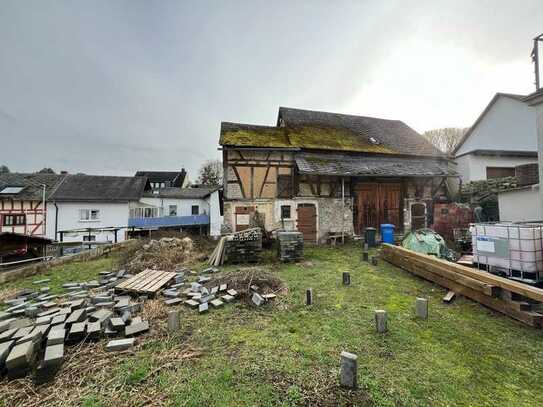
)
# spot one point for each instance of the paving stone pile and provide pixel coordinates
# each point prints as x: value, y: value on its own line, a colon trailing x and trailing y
x: 290, y: 246
x: 36, y: 326
x: 204, y: 293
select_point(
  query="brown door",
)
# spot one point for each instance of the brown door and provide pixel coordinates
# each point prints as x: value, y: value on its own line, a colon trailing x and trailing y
x: 376, y: 204
x: 307, y: 221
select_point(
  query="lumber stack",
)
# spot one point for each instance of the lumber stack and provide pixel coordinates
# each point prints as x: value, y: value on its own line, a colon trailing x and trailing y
x: 512, y: 298
x: 240, y: 247
x: 290, y: 246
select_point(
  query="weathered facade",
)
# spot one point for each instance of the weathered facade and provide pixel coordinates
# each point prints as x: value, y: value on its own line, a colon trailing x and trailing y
x: 323, y: 173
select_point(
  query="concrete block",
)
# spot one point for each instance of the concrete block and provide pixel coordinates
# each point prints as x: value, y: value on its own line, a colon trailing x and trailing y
x: 214, y: 290
x: 101, y: 316
x: 223, y: 287
x: 94, y: 330
x: 174, y: 321
x: 381, y: 321
x: 5, y: 348
x: 56, y: 336
x: 257, y: 299
x: 126, y: 316
x: 21, y: 323
x: 349, y: 370
x: 136, y: 329
x: 203, y: 279
x: 120, y: 345
x: 170, y: 293
x: 21, y: 332
x: 6, y: 335
x: 173, y: 301
x: 191, y: 303
x: 207, y: 298
x: 421, y: 308
x: 227, y: 298
x: 202, y: 308
x: 21, y: 357
x: 217, y: 303
x: 116, y: 324
x: 6, y: 324
x: 78, y: 315
x: 374, y: 260
x: 43, y: 281
x: 32, y: 312
x: 268, y: 297
x: 77, y: 331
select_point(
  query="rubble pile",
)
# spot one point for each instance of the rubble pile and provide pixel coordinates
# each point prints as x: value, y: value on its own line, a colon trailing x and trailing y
x: 37, y: 326
x: 164, y: 254
x: 207, y: 292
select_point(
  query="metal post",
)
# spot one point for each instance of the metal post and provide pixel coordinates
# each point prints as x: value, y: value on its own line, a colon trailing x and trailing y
x: 43, y: 211
x: 342, y: 210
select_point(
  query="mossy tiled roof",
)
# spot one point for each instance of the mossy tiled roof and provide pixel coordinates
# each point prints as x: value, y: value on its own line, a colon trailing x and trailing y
x: 303, y: 137
x: 313, y: 130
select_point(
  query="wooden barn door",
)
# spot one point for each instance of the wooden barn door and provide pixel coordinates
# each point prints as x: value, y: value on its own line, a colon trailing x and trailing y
x: 376, y: 204
x: 307, y: 221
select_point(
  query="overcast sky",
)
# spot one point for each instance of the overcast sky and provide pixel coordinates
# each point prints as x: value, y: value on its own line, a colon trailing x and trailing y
x: 110, y: 87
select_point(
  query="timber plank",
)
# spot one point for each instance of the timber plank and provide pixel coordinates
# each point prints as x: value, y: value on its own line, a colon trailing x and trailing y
x: 511, y: 285
x: 531, y: 318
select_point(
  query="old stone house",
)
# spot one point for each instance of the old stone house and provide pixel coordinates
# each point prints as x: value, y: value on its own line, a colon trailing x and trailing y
x: 326, y: 173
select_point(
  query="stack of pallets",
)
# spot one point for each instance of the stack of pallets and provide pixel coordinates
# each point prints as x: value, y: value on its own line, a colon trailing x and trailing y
x: 239, y: 247
x: 520, y: 301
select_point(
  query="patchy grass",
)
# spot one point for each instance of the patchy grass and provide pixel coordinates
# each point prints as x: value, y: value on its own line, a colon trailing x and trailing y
x: 287, y: 353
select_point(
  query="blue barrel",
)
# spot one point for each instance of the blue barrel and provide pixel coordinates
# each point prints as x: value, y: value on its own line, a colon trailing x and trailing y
x: 387, y: 233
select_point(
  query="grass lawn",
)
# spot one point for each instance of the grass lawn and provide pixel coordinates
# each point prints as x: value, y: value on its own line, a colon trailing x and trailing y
x: 287, y: 353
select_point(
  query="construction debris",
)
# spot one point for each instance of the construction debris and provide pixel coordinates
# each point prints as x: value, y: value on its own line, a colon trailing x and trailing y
x: 239, y: 247
x: 35, y: 328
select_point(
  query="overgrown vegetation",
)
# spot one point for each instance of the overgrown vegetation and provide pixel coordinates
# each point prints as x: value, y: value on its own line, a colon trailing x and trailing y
x: 287, y: 353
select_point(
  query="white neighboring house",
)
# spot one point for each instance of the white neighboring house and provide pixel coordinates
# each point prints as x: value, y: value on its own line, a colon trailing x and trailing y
x: 535, y: 100
x: 503, y: 137
x: 521, y: 204
x: 92, y: 208
x: 184, y: 209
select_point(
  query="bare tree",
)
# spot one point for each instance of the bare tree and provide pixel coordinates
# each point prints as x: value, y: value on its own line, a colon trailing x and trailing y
x: 446, y: 139
x: 210, y: 173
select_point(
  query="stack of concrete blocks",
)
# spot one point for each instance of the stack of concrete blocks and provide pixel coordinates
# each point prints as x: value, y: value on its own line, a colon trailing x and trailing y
x: 290, y: 246
x: 244, y: 248
x: 36, y: 325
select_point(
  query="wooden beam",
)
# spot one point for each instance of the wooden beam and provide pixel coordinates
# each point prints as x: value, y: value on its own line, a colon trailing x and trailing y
x: 484, y: 276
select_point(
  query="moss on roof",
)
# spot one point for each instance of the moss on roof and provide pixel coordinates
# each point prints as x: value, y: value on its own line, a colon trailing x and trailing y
x: 256, y: 137
x: 310, y: 137
x: 328, y: 138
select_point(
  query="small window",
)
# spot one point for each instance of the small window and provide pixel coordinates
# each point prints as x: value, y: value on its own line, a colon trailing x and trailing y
x: 195, y: 210
x: 172, y: 210
x: 11, y: 190
x: 284, y: 186
x: 87, y: 215
x: 90, y: 238
x: 148, y: 212
x: 15, y: 220
x: 285, y: 211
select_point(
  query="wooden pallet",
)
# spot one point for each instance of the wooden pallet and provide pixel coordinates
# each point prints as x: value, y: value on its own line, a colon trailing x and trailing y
x: 147, y: 282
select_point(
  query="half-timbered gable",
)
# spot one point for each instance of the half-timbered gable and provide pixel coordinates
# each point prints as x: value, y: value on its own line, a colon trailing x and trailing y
x: 22, y: 198
x: 324, y: 173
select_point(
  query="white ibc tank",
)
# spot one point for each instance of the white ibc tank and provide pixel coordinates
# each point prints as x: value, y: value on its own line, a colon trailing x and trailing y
x: 509, y: 247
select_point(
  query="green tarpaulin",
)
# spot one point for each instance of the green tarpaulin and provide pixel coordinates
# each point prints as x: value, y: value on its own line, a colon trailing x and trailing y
x: 428, y: 242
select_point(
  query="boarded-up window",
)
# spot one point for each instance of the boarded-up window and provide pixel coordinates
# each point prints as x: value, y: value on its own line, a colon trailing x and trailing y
x: 284, y: 186
x: 499, y: 172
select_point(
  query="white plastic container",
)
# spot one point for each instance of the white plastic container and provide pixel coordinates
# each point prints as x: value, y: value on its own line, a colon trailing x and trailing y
x: 510, y: 248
